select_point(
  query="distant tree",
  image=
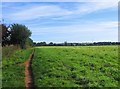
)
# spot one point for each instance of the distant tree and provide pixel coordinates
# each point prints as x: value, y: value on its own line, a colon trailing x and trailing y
x: 34, y: 44
x: 19, y: 34
x: 65, y: 43
x: 51, y: 44
x: 44, y: 43
x: 41, y: 44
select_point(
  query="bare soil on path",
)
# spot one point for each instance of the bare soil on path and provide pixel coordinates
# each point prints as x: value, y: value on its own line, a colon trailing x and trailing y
x: 29, y: 79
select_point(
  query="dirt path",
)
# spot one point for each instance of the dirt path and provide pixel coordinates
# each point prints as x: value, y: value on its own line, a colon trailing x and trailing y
x: 29, y: 80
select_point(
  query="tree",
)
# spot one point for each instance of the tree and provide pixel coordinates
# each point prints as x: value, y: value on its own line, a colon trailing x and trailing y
x: 51, y: 44
x: 41, y: 44
x: 34, y: 43
x: 65, y: 43
x: 19, y: 34
x: 5, y: 34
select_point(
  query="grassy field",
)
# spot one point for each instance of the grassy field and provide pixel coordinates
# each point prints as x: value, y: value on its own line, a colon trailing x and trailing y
x: 12, y: 72
x: 84, y: 66
x: 62, y: 66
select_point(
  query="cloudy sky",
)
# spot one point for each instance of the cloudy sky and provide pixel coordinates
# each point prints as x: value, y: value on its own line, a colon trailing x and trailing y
x: 65, y: 21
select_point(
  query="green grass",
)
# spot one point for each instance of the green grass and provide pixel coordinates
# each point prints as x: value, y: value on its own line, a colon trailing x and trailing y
x: 13, y: 73
x: 84, y: 66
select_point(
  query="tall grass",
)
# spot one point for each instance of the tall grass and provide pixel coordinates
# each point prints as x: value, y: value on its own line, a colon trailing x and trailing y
x: 8, y: 51
x: 12, y: 71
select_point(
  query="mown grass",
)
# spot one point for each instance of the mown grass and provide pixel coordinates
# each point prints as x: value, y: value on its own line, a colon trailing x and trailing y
x: 12, y: 72
x: 84, y: 66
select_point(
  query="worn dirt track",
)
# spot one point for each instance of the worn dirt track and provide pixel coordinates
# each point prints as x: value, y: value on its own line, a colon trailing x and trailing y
x: 29, y: 79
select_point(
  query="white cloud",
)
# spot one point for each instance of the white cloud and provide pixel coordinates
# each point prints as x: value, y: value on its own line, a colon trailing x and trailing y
x: 85, y: 28
x: 39, y: 12
x: 35, y: 12
x: 102, y: 31
x: 91, y: 7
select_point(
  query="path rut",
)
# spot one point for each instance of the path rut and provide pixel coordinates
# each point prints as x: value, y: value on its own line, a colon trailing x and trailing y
x: 29, y: 79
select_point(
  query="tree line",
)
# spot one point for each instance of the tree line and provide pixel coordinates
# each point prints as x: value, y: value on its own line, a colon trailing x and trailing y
x: 16, y: 34
x: 75, y: 44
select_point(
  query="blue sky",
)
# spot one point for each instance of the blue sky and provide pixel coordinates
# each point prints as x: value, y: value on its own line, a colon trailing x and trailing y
x: 65, y: 21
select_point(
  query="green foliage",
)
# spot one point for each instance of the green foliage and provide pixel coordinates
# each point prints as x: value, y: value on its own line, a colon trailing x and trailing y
x: 4, y: 34
x: 12, y: 71
x: 15, y: 34
x: 19, y: 34
x: 29, y: 42
x: 84, y: 66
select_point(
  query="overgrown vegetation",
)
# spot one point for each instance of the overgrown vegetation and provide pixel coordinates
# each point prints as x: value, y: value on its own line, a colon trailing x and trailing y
x: 12, y: 68
x: 85, y: 66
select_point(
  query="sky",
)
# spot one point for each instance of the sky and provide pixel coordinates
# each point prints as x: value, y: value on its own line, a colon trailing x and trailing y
x: 65, y: 21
